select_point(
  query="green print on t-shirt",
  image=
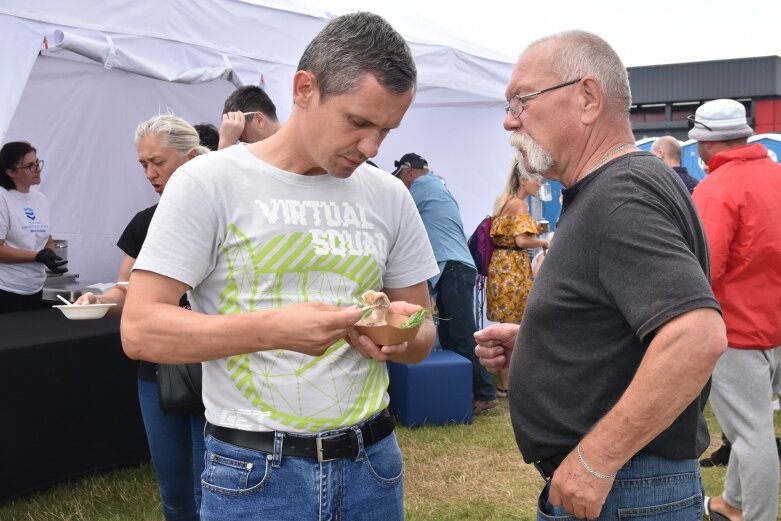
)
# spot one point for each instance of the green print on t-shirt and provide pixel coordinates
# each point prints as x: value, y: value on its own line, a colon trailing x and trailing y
x: 289, y: 269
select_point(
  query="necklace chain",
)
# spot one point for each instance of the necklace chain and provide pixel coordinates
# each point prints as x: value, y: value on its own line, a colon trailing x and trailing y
x: 609, y: 155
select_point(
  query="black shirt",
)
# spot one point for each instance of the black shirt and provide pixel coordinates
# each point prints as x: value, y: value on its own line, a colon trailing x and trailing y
x: 130, y: 242
x: 629, y: 255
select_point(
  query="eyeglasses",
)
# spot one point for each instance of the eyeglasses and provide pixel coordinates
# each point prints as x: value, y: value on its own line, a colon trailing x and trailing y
x: 248, y: 116
x: 515, y: 105
x: 692, y: 122
x: 35, y: 166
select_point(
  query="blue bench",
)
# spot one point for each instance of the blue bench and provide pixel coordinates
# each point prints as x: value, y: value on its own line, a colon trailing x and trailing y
x: 436, y: 391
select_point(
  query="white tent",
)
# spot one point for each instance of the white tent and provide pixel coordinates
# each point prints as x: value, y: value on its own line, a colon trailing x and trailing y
x: 80, y: 75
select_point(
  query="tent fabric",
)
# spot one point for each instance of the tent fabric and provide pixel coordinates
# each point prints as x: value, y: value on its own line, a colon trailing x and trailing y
x: 183, y: 65
x: 85, y: 74
x: 19, y: 44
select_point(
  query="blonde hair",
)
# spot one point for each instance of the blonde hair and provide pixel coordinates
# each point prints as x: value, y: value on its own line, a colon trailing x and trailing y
x: 513, y: 184
x: 510, y: 188
x: 176, y: 133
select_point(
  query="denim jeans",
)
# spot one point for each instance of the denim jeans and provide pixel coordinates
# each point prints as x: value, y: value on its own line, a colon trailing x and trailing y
x: 244, y: 484
x: 177, y: 447
x: 650, y: 488
x: 456, y: 327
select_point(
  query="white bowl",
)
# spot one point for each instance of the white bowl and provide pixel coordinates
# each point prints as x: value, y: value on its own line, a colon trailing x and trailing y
x: 84, y: 311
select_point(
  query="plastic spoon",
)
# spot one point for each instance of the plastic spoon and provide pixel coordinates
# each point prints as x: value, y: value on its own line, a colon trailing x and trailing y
x: 65, y: 300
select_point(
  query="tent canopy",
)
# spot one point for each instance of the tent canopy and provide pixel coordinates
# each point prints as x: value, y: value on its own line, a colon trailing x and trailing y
x: 85, y: 73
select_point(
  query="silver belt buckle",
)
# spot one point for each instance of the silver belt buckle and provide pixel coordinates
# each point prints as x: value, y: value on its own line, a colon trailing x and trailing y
x: 319, y: 448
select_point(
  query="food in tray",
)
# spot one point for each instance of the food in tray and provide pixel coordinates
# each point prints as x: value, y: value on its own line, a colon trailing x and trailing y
x: 377, y: 306
x: 384, y: 327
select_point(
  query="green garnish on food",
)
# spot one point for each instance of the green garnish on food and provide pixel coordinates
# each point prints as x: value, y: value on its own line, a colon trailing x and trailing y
x: 415, y: 320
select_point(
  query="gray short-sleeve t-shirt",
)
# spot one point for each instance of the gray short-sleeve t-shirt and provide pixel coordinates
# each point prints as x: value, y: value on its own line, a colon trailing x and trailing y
x: 629, y: 255
x: 248, y: 236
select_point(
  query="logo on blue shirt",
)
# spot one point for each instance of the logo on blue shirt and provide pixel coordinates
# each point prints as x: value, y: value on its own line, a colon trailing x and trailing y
x: 29, y: 213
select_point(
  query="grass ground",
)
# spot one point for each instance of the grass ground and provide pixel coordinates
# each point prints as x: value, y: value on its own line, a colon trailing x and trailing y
x: 458, y: 472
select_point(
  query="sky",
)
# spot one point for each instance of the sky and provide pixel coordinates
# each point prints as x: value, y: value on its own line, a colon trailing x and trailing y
x: 649, y: 32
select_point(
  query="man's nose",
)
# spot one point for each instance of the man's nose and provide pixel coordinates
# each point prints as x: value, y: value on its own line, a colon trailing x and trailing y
x: 370, y: 145
x: 511, y: 122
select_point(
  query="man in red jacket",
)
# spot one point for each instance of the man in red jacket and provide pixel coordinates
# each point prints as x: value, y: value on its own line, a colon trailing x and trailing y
x: 740, y: 206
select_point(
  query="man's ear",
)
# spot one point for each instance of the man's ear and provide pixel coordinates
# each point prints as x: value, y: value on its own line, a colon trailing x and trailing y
x: 591, y: 99
x: 304, y: 88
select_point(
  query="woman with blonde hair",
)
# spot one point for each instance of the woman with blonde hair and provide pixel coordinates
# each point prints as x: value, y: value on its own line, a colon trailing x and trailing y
x: 163, y: 143
x: 514, y: 232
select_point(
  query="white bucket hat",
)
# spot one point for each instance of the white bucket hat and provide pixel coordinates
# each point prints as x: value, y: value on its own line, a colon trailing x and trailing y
x: 719, y: 120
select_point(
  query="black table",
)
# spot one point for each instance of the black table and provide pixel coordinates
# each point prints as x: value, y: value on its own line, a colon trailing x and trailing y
x: 68, y: 400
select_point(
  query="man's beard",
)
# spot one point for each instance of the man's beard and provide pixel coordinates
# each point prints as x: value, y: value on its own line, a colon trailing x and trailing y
x: 538, y: 159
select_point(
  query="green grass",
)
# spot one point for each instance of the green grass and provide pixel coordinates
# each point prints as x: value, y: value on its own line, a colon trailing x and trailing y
x: 457, y: 472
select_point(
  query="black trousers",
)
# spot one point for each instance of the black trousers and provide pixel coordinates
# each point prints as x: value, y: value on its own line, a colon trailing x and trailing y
x: 456, y: 328
x: 12, y: 302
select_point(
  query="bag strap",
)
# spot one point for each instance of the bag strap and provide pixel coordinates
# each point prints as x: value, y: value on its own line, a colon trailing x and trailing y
x: 501, y: 210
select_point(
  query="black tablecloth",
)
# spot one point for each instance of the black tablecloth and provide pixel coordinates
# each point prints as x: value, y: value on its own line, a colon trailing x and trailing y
x: 68, y: 400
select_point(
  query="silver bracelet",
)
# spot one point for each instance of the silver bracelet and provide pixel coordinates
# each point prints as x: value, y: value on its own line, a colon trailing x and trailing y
x: 589, y: 469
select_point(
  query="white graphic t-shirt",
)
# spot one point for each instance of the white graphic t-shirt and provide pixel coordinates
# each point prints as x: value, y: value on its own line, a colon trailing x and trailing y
x: 24, y: 225
x: 248, y: 236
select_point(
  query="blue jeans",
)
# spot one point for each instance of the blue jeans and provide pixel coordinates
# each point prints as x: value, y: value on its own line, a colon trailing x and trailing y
x: 456, y: 328
x: 177, y: 448
x: 650, y: 488
x: 244, y: 484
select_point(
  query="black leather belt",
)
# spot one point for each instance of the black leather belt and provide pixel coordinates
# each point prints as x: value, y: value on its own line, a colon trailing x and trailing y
x: 339, y: 445
x: 516, y: 248
x: 547, y: 467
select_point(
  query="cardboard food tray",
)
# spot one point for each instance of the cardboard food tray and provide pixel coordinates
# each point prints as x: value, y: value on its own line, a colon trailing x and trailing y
x: 389, y: 334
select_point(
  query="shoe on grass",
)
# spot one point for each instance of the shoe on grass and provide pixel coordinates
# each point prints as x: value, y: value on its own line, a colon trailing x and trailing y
x: 718, y: 458
x: 479, y: 406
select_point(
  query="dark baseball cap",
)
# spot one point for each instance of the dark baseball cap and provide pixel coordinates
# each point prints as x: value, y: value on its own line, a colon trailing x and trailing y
x: 413, y: 160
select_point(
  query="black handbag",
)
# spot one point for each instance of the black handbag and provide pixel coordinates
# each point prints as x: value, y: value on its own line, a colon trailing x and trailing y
x: 179, y: 387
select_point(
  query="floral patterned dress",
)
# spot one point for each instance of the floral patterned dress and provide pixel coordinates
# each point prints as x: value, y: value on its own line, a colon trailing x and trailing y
x: 510, y: 271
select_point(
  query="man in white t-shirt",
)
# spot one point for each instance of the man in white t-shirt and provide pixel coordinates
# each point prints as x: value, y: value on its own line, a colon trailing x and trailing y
x: 276, y: 241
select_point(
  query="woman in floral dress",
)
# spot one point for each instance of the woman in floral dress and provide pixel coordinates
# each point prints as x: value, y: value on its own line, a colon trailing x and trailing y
x: 514, y: 232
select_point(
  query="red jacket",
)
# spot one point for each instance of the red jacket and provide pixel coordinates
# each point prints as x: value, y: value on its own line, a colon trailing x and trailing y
x: 739, y: 203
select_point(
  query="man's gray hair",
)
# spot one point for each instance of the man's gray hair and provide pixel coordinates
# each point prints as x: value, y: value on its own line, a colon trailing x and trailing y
x: 354, y: 45
x: 176, y: 133
x: 581, y: 53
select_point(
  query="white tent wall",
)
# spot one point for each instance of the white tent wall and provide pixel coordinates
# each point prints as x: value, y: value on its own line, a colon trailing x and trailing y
x: 185, y: 58
x: 81, y: 118
x: 19, y: 44
x: 466, y: 145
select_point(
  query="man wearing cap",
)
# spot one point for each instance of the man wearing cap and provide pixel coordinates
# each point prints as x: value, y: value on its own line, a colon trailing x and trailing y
x: 739, y: 202
x: 668, y: 150
x: 453, y: 286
